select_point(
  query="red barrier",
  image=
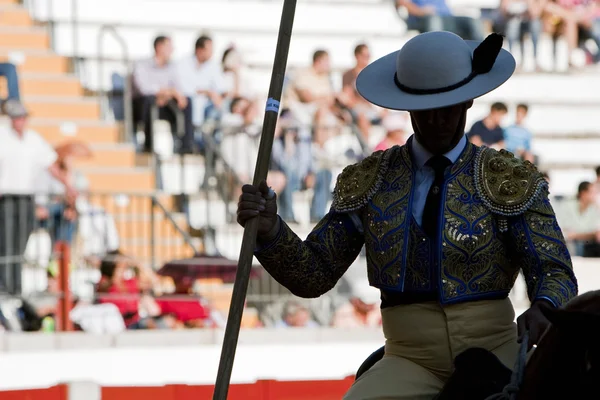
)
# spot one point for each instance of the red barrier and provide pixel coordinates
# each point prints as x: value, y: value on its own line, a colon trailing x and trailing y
x: 261, y: 390
x: 59, y: 392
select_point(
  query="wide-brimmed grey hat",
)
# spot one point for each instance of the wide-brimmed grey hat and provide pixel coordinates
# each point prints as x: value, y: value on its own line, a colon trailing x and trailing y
x: 14, y: 109
x: 435, y: 70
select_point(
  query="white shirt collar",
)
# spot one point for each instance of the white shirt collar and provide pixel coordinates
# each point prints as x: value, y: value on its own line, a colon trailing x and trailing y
x: 422, y: 155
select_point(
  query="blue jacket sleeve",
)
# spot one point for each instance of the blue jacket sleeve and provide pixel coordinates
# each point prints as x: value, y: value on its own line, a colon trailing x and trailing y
x: 543, y: 255
x: 312, y: 267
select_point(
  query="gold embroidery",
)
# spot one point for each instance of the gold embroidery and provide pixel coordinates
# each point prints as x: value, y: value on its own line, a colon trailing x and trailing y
x: 385, y: 221
x: 507, y: 185
x: 359, y: 182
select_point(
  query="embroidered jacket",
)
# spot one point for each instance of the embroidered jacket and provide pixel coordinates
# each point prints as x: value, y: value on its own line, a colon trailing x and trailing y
x: 496, y: 218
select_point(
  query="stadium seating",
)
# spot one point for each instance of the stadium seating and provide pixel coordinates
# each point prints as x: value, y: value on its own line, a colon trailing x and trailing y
x: 60, y: 111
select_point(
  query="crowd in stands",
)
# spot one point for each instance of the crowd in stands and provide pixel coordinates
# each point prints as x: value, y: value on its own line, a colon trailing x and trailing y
x: 202, y: 96
x: 575, y: 20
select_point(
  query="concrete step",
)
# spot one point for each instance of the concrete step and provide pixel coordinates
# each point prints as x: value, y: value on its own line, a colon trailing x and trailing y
x: 119, y: 179
x: 556, y: 153
x: 63, y: 107
x: 164, y: 249
x: 19, y: 37
x: 109, y: 155
x: 14, y: 15
x: 57, y: 130
x: 138, y: 226
x: 129, y: 202
x: 57, y: 85
x: 35, y: 60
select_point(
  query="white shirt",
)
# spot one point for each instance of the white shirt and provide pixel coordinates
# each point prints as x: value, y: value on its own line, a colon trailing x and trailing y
x: 22, y: 160
x: 571, y: 219
x: 195, y: 76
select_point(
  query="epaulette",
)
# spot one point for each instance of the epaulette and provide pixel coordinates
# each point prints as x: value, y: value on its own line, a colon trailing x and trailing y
x: 359, y: 182
x: 507, y: 185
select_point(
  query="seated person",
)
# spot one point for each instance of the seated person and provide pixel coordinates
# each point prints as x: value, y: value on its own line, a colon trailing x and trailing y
x: 293, y: 156
x: 295, y: 315
x: 517, y: 138
x: 311, y: 99
x: 580, y: 221
x: 155, y: 82
x: 363, y: 113
x: 435, y: 15
x: 488, y: 132
x: 395, y: 128
x: 122, y: 284
x: 203, y: 81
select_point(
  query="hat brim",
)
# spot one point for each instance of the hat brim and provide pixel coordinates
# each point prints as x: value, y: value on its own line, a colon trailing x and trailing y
x: 376, y: 84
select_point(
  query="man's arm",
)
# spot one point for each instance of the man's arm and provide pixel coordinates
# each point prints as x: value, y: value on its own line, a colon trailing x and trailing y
x: 540, y: 248
x: 415, y: 10
x: 312, y: 267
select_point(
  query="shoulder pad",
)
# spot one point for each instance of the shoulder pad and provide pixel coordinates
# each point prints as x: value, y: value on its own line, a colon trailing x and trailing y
x: 357, y: 183
x: 507, y: 185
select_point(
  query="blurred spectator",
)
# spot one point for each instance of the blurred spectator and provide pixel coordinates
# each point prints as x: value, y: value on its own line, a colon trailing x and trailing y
x: 488, y: 131
x: 236, y: 83
x: 576, y: 20
x: 522, y: 17
x: 239, y: 146
x: 362, y: 308
x: 364, y: 114
x: 295, y: 315
x: 55, y: 212
x: 435, y: 15
x: 156, y: 83
x: 203, y: 81
x: 597, y: 184
x: 9, y: 72
x: 581, y: 222
x: 293, y: 156
x: 517, y: 138
x: 311, y: 99
x: 24, y: 155
x: 395, y: 128
x: 122, y: 283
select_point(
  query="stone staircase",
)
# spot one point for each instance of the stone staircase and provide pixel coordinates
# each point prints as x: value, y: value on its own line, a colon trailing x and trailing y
x: 60, y: 112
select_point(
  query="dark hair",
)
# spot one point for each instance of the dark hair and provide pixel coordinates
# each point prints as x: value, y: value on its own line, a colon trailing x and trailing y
x: 319, y: 54
x: 226, y: 53
x: 523, y: 107
x: 583, y: 187
x: 109, y: 263
x: 359, y: 48
x: 234, y: 102
x: 201, y: 42
x: 160, y: 39
x: 499, y: 106
x: 598, y: 171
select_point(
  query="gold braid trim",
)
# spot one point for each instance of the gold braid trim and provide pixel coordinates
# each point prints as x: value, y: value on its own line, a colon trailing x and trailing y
x: 507, y: 186
x: 359, y: 182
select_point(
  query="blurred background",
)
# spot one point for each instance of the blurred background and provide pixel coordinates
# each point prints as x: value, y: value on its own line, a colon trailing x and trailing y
x: 128, y: 128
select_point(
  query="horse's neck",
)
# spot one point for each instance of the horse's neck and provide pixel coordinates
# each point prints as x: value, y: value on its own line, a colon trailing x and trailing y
x: 551, y: 368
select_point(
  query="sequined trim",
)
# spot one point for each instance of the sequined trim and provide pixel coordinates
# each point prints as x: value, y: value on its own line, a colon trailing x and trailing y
x: 358, y: 183
x: 507, y: 185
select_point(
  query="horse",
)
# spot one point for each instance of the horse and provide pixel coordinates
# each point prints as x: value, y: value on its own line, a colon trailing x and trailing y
x: 565, y: 364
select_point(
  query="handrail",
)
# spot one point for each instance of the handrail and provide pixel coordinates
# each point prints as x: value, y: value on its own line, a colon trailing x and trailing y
x: 127, y: 93
x: 186, y: 236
